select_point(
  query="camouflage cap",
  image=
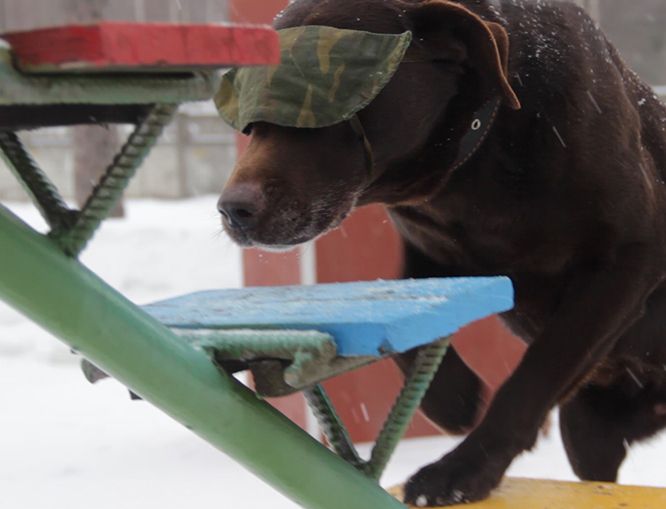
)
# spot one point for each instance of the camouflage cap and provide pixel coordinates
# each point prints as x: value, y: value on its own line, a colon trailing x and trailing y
x: 325, y: 77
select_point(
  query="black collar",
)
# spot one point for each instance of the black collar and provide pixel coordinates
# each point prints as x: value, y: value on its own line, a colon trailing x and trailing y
x: 476, y: 134
x: 478, y: 131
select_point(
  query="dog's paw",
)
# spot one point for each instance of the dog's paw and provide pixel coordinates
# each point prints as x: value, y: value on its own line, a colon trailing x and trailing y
x: 452, y: 480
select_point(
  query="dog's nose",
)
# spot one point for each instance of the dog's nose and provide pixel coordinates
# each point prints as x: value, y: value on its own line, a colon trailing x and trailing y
x: 241, y: 204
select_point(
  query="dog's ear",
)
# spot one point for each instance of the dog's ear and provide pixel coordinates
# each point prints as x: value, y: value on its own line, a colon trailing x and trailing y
x: 440, y: 24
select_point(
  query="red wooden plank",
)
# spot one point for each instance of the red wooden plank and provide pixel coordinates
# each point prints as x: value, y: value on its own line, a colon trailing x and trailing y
x: 136, y: 46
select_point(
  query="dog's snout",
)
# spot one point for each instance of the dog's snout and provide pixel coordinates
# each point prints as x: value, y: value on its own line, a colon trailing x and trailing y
x: 242, y: 204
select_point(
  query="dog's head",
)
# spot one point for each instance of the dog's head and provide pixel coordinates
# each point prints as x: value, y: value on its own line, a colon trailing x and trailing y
x: 295, y: 183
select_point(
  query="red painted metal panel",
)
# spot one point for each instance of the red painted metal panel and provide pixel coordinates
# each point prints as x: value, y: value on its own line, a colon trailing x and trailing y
x: 366, y: 247
x: 262, y: 268
x: 108, y: 46
x: 364, y: 397
x: 491, y: 350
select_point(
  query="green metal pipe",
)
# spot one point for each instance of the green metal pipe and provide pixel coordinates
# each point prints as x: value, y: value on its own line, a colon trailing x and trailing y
x: 79, y: 308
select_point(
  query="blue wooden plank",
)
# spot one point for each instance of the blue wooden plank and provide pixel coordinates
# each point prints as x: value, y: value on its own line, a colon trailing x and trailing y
x: 364, y: 318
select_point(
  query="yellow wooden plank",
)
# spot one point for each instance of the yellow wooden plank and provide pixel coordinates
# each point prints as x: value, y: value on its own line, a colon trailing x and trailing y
x: 540, y: 494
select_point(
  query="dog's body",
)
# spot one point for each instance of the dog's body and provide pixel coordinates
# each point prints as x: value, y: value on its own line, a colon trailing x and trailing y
x: 566, y: 196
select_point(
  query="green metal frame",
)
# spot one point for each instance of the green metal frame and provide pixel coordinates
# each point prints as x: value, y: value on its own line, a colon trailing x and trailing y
x: 65, y: 298
x: 148, y: 88
x: 416, y: 385
x: 42, y: 278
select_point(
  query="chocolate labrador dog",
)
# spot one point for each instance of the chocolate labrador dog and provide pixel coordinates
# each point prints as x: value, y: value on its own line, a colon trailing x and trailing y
x: 512, y: 140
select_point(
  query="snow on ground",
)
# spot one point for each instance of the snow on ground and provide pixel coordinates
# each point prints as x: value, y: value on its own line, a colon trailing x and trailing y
x: 160, y: 250
x: 67, y: 444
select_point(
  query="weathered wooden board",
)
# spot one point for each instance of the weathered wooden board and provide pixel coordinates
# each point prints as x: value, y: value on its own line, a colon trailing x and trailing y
x: 542, y: 494
x: 364, y: 318
x: 110, y: 46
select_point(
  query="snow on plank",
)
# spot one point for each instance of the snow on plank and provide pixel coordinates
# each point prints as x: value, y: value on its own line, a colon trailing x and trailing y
x: 373, y: 319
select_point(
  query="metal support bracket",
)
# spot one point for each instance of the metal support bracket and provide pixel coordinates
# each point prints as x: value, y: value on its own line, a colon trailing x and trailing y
x: 417, y: 382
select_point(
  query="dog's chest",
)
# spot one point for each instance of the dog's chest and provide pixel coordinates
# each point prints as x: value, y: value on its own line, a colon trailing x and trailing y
x: 475, y: 237
x: 453, y: 239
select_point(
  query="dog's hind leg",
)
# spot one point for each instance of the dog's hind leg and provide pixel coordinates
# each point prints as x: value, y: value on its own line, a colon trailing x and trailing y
x: 600, y: 423
x: 595, y: 441
x: 454, y: 397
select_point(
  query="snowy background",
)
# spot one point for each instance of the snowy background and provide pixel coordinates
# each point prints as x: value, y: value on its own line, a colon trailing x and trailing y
x: 67, y: 444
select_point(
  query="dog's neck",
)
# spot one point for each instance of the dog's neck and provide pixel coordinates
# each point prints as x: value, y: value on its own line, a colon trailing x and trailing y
x: 476, y: 134
x: 469, y: 145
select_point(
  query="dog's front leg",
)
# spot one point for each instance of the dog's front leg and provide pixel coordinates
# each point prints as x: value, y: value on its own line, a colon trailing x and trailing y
x: 597, y: 306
